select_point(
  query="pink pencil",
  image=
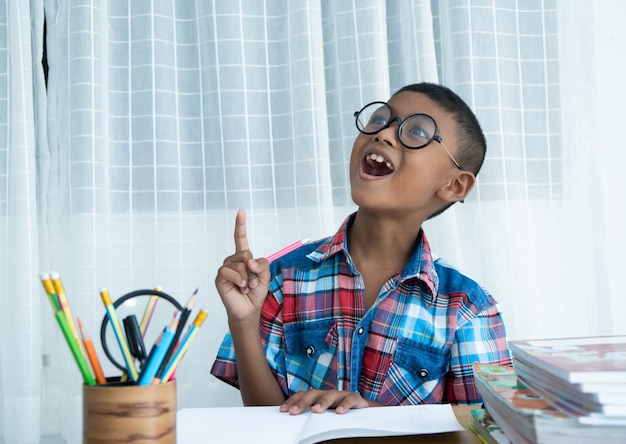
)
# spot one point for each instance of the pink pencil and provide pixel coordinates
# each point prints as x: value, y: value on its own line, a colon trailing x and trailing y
x: 287, y: 249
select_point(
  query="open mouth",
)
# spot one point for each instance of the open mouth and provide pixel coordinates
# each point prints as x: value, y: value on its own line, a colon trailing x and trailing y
x: 376, y: 165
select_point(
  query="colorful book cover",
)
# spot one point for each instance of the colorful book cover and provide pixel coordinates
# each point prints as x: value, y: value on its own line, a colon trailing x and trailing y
x: 478, y: 434
x: 486, y: 428
x: 502, y: 382
x: 576, y: 360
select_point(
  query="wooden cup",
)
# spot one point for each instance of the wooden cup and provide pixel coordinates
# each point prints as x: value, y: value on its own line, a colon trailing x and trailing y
x: 114, y: 413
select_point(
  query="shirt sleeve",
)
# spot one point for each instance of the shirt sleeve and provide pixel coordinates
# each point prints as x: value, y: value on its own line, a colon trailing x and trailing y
x: 481, y: 339
x: 273, y: 339
x: 271, y: 332
x: 225, y: 364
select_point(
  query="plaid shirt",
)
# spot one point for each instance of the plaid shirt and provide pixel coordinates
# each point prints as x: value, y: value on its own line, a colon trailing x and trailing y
x: 415, y: 345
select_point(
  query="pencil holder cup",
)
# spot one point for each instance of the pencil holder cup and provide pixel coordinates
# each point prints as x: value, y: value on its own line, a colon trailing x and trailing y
x: 116, y: 412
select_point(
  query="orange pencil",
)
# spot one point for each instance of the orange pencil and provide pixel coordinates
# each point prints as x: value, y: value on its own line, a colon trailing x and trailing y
x: 91, y: 354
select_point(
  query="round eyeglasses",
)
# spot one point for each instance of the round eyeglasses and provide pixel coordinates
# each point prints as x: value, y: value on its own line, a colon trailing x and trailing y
x: 414, y: 132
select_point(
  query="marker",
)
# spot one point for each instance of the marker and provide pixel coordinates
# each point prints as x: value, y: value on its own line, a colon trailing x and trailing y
x: 91, y: 354
x: 153, y: 364
x: 121, y: 340
x: 287, y: 249
x: 180, y: 351
x: 133, y: 335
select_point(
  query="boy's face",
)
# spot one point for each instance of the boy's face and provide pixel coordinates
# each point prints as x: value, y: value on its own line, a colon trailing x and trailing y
x: 385, y: 175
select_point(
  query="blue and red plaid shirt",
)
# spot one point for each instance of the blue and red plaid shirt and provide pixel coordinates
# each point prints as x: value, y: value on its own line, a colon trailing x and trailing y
x: 415, y: 345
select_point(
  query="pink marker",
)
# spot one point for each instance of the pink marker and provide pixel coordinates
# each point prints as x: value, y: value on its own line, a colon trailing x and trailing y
x: 287, y: 249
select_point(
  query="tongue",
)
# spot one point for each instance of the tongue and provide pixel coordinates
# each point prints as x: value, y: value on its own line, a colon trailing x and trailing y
x: 375, y: 168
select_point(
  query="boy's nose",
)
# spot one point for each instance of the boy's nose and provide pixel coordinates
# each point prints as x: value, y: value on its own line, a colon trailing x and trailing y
x: 389, y: 134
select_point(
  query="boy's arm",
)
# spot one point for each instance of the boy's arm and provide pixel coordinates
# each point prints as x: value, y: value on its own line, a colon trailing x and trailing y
x: 242, y: 284
x: 482, y: 339
x: 256, y: 381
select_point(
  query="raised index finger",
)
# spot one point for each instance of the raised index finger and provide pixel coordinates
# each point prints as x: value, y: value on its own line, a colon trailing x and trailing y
x: 241, y: 238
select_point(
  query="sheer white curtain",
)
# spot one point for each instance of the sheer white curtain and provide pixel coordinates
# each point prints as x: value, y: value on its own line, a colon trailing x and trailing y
x: 162, y: 118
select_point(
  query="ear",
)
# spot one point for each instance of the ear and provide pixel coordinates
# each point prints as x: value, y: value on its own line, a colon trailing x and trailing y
x: 458, y: 187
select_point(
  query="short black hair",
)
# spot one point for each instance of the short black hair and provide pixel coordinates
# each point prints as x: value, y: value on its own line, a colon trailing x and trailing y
x: 472, y: 144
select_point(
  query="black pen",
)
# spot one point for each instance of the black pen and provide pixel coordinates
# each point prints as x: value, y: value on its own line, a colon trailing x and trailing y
x: 179, y: 329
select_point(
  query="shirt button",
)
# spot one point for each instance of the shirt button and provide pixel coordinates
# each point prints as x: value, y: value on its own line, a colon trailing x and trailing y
x: 423, y: 373
x: 360, y: 331
x: 310, y: 350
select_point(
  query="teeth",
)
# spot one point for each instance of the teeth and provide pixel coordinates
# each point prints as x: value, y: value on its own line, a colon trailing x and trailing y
x: 376, y: 157
x: 379, y: 159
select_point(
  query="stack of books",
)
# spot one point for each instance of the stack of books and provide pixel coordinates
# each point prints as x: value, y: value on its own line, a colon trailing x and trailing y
x: 558, y: 391
x: 583, y: 377
x: 486, y: 428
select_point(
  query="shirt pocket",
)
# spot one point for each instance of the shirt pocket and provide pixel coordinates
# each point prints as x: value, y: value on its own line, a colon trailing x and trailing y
x: 423, y: 361
x: 310, y: 357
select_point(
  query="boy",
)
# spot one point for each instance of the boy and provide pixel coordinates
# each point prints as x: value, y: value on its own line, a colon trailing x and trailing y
x: 366, y: 317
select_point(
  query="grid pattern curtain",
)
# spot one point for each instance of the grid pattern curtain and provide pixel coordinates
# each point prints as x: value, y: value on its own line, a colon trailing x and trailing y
x: 127, y: 147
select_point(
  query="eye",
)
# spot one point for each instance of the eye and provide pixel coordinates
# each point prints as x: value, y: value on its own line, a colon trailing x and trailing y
x: 418, y: 131
x: 378, y: 118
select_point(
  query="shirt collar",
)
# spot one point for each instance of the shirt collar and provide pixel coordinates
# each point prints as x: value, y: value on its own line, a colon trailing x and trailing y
x: 419, y: 266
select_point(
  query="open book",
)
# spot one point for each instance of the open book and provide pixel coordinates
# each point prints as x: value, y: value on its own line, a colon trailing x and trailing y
x: 259, y: 425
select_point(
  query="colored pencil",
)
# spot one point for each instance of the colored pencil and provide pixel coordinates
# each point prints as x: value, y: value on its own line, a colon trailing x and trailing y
x: 65, y: 306
x: 287, y: 249
x: 149, y: 311
x: 179, y: 330
x: 152, y: 366
x: 65, y: 324
x: 75, y: 348
x: 91, y: 354
x: 121, y: 340
x: 180, y: 351
x: 48, y: 286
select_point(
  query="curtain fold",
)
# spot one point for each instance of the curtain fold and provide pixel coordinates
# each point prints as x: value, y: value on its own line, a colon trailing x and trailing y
x: 21, y: 98
x: 162, y: 118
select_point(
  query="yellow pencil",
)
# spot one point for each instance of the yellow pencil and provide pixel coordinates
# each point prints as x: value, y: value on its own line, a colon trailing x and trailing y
x: 48, y: 286
x: 147, y: 314
x: 180, y: 351
x: 121, y: 340
x: 65, y: 306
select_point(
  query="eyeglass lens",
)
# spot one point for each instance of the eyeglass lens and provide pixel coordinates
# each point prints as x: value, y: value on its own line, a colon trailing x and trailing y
x: 415, y: 131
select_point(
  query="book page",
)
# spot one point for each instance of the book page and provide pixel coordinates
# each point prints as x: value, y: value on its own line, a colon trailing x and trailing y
x: 380, y: 421
x: 238, y: 425
x: 265, y: 425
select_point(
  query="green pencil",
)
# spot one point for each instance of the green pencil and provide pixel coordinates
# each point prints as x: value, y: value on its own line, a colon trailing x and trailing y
x: 75, y: 348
